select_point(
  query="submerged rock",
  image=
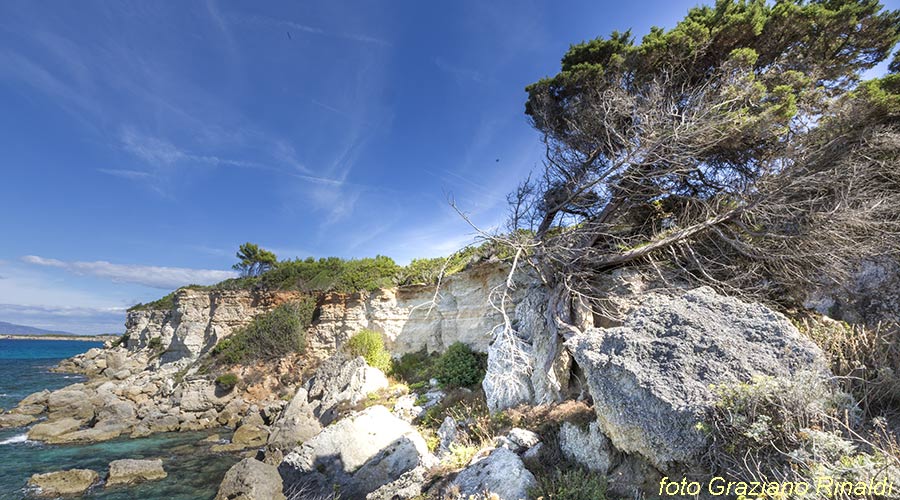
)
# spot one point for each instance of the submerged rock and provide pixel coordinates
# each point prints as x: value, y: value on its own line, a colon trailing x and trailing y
x: 65, y: 482
x: 131, y: 471
x: 358, y: 454
x: 651, y: 378
x: 251, y: 479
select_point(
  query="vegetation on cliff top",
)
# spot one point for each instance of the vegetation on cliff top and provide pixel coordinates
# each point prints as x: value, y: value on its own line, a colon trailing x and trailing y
x: 261, y: 270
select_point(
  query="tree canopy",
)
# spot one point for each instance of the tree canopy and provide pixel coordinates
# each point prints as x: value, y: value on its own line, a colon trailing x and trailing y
x: 739, y: 131
x: 254, y: 260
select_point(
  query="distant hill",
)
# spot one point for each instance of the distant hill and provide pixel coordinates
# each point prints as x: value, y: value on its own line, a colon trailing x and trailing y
x: 13, y: 329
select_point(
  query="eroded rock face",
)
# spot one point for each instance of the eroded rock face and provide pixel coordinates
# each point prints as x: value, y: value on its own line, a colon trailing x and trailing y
x: 501, y: 473
x: 296, y: 424
x: 650, y: 378
x: 66, y: 482
x: 251, y: 479
x: 198, y: 320
x: 341, y: 379
x: 130, y: 471
x: 360, y: 454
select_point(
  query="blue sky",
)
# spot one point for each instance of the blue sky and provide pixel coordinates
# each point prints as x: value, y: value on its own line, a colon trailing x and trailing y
x: 142, y: 142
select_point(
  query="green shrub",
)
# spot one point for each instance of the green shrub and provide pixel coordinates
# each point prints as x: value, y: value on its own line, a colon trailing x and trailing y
x: 270, y: 335
x: 154, y: 344
x: 165, y: 303
x: 573, y: 484
x: 227, y: 381
x: 414, y: 368
x: 370, y: 345
x: 460, y: 366
x: 121, y: 341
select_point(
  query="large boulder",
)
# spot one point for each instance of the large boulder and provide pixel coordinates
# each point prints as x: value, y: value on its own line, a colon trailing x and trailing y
x: 65, y: 482
x: 296, y: 424
x: 129, y: 471
x: 357, y: 454
x: 47, y: 431
x: 70, y: 402
x: 203, y: 395
x: 341, y: 379
x: 251, y: 479
x: 652, y: 378
x: 501, y: 473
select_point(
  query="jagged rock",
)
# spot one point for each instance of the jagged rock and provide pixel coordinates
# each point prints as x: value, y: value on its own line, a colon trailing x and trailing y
x: 129, y: 471
x: 46, y: 431
x: 507, y: 381
x: 359, y: 453
x: 406, y: 487
x: 589, y: 447
x: 521, y: 439
x: 251, y: 479
x: 230, y: 416
x: 341, y: 379
x: 65, y: 482
x: 203, y: 395
x: 296, y: 424
x: 448, y: 433
x: 15, y: 420
x: 501, y: 473
x: 271, y: 410
x: 650, y: 378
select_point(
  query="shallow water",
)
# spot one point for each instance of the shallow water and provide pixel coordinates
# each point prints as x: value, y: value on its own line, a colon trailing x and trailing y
x: 194, y: 472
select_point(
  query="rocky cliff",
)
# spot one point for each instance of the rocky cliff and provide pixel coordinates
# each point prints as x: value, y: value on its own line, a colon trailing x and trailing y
x: 412, y: 318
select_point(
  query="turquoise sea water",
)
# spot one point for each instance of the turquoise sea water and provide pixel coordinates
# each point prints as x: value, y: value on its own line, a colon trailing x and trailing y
x: 194, y: 472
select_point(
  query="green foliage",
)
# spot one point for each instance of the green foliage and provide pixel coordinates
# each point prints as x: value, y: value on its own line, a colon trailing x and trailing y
x: 415, y: 368
x: 227, y: 381
x: 572, y: 484
x: 121, y: 341
x: 253, y: 260
x: 155, y: 344
x: 270, y: 335
x: 370, y: 345
x: 460, y: 366
x: 163, y: 304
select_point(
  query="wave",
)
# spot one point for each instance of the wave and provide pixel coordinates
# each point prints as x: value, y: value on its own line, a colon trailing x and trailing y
x: 21, y: 438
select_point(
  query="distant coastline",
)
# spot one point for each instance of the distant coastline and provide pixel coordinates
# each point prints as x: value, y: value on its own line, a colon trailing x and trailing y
x: 84, y: 338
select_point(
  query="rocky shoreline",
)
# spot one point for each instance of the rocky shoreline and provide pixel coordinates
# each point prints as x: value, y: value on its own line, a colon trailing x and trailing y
x: 644, y: 387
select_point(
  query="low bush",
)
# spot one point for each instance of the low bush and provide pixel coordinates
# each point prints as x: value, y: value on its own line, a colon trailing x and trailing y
x: 370, y: 345
x: 154, y: 344
x: 460, y: 366
x: 269, y: 335
x: 121, y: 341
x: 227, y: 381
x: 165, y: 303
x: 865, y: 359
x: 415, y: 368
x: 571, y: 484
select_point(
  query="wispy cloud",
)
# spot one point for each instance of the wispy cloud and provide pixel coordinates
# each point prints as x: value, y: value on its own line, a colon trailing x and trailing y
x: 165, y: 278
x: 85, y: 320
x: 292, y: 26
x: 460, y: 73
